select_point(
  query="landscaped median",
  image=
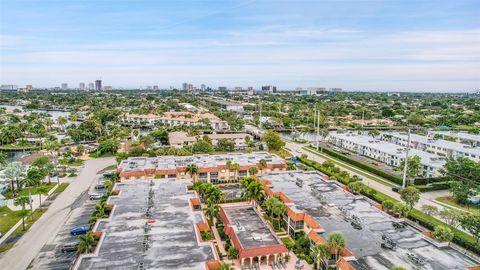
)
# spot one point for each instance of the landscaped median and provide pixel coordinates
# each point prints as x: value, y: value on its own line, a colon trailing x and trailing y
x: 461, y: 238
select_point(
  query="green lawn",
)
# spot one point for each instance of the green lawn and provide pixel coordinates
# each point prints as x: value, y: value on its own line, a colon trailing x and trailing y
x: 8, y: 218
x: 24, y: 192
x: 282, y: 153
x: 37, y: 213
x: 95, y: 155
x: 109, y: 168
x: 61, y: 188
x: 474, y: 209
x: 76, y: 162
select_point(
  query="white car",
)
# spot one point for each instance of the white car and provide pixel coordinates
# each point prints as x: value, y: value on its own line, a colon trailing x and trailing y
x: 95, y: 196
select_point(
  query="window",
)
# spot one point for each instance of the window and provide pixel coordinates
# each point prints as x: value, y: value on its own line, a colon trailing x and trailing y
x: 202, y: 175
x: 242, y: 173
x: 172, y: 176
x: 213, y: 175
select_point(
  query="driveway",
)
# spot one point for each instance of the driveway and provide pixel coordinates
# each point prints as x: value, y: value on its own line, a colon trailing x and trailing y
x: 48, y: 226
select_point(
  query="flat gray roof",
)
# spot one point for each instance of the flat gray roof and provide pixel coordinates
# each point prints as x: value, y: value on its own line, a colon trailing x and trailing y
x: 172, y: 240
x: 202, y: 161
x: 333, y: 208
x: 250, y: 229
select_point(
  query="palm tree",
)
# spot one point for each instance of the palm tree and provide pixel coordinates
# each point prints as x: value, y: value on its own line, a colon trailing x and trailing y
x: 192, y: 169
x: 263, y: 164
x: 254, y: 191
x: 337, y: 241
x: 86, y: 243
x: 278, y: 209
x: 14, y: 172
x: 23, y: 200
x: 3, y: 159
x: 31, y: 180
x: 252, y: 170
x: 211, y: 211
x: 41, y: 189
x: 235, y: 168
x: 225, y: 266
x: 321, y: 253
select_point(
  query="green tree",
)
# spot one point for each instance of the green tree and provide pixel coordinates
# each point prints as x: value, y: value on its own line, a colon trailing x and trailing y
x: 402, y: 209
x: 252, y: 170
x: 414, y: 167
x: 3, y: 159
x: 86, y: 243
x: 291, y: 166
x: 225, y: 266
x: 356, y: 187
x: 320, y: 254
x: 443, y: 233
x: 41, y: 190
x: 235, y: 168
x: 45, y: 165
x: 212, y: 211
x: 202, y: 147
x: 232, y: 252
x: 278, y: 209
x: 410, y: 195
x: 24, y: 213
x: 398, y: 267
x: 192, y: 169
x: 338, y: 242
x: 273, y: 140
x: 262, y: 164
x: 429, y: 209
x: 254, y: 191
x: 388, y: 205
x: 450, y: 216
x: 109, y: 146
x: 471, y: 223
x: 464, y: 174
x: 14, y: 172
x: 22, y: 200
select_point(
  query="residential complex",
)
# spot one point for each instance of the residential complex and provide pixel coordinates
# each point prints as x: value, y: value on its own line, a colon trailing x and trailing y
x: 438, y: 147
x: 211, y: 168
x: 460, y: 137
x: 176, y: 119
x: 228, y: 105
x: 180, y: 139
x: 386, y: 152
x: 317, y: 207
x: 153, y: 225
x: 251, y: 235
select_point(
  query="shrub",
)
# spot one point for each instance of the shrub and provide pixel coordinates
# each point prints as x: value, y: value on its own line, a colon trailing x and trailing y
x: 442, y: 233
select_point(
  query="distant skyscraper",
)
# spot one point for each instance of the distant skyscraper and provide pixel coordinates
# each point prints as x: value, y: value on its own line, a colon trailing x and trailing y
x: 269, y: 89
x: 81, y: 86
x: 91, y: 86
x: 64, y: 86
x: 203, y: 87
x: 187, y: 87
x: 155, y: 87
x: 222, y: 88
x: 98, y: 85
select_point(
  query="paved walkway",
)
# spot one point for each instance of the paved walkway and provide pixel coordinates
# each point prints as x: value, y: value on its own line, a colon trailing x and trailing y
x: 25, y: 250
x: 220, y: 245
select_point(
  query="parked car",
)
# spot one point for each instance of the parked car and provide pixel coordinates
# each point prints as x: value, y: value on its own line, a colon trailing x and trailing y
x: 396, y: 188
x: 80, y: 230
x: 94, y: 196
x: 99, y: 187
x: 70, y: 247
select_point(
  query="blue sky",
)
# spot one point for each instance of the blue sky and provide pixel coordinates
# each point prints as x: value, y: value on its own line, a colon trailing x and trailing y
x: 357, y: 45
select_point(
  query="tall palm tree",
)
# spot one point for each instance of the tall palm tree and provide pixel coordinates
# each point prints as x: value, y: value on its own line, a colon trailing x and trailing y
x: 263, y: 164
x: 254, y: 191
x: 30, y: 181
x: 278, y: 209
x: 23, y: 200
x: 211, y: 211
x: 338, y: 242
x: 41, y: 189
x: 321, y: 254
x: 192, y: 169
x: 86, y: 243
x: 14, y: 172
x: 235, y: 168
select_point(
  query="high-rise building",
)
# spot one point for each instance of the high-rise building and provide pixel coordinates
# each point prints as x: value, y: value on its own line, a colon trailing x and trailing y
x: 187, y: 87
x: 222, y: 88
x: 98, y: 85
x: 81, y: 86
x: 155, y: 87
x: 64, y: 86
x: 203, y: 87
x: 29, y: 87
x: 269, y: 89
x: 91, y: 86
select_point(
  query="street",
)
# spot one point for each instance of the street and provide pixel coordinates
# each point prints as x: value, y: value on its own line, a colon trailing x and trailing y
x: 48, y: 226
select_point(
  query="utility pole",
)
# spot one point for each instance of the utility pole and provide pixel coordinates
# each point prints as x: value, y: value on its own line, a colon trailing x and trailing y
x: 363, y: 120
x: 405, y: 166
x: 260, y: 116
x: 318, y: 128
x: 314, y: 117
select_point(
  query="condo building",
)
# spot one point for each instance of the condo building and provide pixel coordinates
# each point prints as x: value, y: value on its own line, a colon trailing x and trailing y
x: 180, y: 139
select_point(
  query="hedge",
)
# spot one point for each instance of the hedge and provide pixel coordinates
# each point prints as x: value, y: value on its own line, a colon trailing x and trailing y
x: 366, y: 167
x: 424, y: 181
x: 433, y: 186
x: 461, y: 238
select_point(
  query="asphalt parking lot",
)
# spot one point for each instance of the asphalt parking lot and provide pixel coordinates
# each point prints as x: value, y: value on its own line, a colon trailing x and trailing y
x: 51, y: 255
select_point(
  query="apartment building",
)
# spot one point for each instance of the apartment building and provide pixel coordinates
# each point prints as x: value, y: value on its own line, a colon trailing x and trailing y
x: 460, y: 137
x: 438, y: 147
x: 180, y: 139
x: 211, y: 168
x: 386, y: 152
x: 177, y: 119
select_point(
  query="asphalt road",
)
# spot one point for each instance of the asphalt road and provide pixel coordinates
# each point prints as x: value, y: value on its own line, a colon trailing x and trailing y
x: 48, y: 226
x: 298, y: 150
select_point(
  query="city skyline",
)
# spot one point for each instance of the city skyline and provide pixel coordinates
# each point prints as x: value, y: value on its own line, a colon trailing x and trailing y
x: 370, y: 45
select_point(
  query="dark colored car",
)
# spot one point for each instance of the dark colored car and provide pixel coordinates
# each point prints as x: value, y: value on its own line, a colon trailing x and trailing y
x: 99, y: 187
x: 80, y: 230
x: 69, y: 247
x: 397, y: 188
